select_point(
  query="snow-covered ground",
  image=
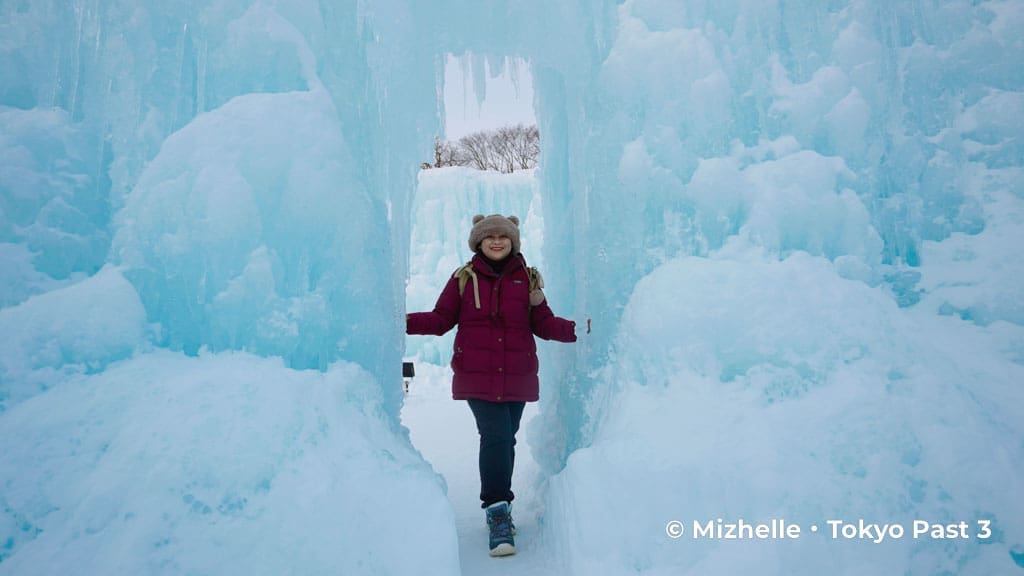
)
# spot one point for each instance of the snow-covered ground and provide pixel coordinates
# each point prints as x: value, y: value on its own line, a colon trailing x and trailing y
x: 443, y: 431
x: 223, y: 464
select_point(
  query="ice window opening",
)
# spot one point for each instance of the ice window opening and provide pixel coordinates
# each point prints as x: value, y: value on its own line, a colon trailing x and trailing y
x: 488, y: 117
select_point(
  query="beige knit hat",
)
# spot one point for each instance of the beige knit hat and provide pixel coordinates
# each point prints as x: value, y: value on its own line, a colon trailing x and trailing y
x: 494, y: 225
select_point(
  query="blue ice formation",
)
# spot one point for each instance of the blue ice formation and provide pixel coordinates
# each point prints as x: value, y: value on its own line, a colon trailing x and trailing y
x: 795, y: 224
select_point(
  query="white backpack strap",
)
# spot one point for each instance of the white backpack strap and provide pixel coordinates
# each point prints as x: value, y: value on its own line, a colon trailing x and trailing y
x: 536, y: 280
x: 536, y: 286
x: 464, y: 274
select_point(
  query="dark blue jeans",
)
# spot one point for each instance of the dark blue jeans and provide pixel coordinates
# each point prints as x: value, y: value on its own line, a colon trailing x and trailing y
x: 497, y: 423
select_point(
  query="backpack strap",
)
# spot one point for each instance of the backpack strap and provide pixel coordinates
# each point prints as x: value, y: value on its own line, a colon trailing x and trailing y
x: 536, y: 286
x: 464, y: 274
x: 536, y: 280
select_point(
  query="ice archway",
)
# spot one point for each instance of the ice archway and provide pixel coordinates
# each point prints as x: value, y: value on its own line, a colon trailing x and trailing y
x: 794, y: 224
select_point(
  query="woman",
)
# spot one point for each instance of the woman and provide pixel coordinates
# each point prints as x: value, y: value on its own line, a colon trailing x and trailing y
x: 498, y: 305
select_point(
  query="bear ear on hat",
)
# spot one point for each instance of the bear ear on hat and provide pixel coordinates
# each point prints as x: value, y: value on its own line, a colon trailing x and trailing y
x: 477, y: 218
x: 514, y: 220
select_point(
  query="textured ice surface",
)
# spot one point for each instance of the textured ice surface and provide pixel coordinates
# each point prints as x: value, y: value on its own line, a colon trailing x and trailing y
x: 755, y: 389
x: 225, y: 463
x: 798, y: 241
x: 249, y: 231
x: 54, y: 337
x: 795, y: 225
x: 51, y: 204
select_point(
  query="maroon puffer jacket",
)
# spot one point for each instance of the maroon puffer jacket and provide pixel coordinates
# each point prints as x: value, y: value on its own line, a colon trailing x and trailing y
x: 495, y: 355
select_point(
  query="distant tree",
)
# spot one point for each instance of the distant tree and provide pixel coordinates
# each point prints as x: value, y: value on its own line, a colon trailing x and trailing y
x: 521, y: 146
x: 479, y: 151
x: 445, y: 154
x: 505, y: 149
x: 503, y: 141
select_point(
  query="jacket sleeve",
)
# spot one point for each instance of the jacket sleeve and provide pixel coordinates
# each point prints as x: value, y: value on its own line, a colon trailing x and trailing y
x: 444, y: 316
x: 546, y: 325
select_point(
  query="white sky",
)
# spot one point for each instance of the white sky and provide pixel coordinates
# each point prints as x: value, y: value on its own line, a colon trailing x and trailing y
x: 505, y: 103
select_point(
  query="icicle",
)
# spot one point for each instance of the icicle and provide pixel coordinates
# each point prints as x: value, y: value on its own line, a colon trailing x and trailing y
x: 479, y: 70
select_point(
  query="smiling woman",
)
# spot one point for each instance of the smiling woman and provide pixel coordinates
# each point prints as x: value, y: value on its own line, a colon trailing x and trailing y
x: 496, y: 247
x: 495, y: 358
x: 494, y: 236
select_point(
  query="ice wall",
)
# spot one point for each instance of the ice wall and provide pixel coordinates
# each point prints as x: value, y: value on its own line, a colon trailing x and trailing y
x: 204, y: 120
x: 710, y: 120
x: 244, y: 171
x: 812, y: 204
x: 446, y: 201
x: 250, y: 230
x: 48, y: 239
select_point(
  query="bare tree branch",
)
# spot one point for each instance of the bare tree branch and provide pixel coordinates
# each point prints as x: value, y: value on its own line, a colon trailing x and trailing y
x: 505, y: 149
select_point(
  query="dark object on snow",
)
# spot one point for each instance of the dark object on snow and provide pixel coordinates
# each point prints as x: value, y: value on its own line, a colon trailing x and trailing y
x: 408, y: 373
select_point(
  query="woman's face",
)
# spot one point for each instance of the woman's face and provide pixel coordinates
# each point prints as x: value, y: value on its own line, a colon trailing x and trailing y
x: 496, y: 247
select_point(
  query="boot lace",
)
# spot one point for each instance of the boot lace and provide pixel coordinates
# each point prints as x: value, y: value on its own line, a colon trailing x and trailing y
x: 500, y: 524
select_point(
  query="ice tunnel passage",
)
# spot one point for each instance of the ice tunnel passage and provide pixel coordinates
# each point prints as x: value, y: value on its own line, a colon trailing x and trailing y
x: 798, y: 221
x: 443, y: 430
x: 446, y: 198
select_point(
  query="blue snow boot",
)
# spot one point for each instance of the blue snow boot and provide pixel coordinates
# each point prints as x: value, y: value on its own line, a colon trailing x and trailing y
x: 499, y: 522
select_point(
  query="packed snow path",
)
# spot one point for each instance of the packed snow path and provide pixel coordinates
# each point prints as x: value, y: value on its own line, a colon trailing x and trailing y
x: 443, y: 430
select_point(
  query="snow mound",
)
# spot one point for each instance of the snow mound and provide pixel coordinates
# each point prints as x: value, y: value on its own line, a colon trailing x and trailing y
x: 75, y: 330
x: 166, y: 464
x: 763, y: 390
